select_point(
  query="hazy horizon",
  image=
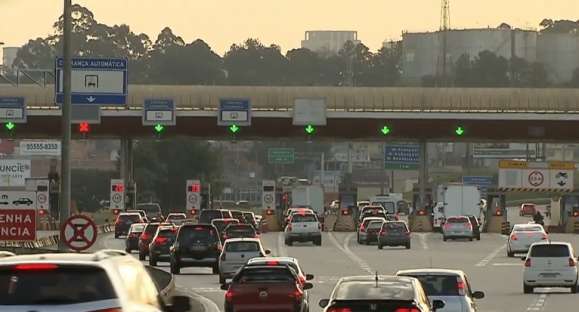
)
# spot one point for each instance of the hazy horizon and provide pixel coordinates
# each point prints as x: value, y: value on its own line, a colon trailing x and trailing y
x: 224, y: 22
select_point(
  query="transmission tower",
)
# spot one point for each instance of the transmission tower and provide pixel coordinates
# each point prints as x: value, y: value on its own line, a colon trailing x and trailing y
x: 443, y: 33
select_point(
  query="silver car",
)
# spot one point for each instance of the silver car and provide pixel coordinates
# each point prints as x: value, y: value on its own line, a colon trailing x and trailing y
x: 450, y: 286
x: 236, y: 252
x: 523, y: 236
x: 457, y: 227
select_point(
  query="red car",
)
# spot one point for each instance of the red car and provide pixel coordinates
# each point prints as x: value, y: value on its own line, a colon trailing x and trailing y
x: 269, y: 287
x: 527, y: 209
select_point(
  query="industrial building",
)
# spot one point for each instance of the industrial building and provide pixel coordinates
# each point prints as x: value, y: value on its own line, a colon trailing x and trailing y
x: 328, y: 41
x: 559, y: 53
x: 8, y: 58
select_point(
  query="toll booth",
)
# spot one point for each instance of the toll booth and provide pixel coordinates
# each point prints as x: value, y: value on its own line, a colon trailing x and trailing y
x: 206, y: 196
x: 567, y: 208
x: 496, y: 204
x: 429, y: 199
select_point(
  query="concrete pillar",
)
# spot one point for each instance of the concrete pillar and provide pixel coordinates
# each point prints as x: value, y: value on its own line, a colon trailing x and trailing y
x: 423, y: 174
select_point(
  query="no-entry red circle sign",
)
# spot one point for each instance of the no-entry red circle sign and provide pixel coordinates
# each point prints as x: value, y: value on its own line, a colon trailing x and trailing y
x: 78, y: 232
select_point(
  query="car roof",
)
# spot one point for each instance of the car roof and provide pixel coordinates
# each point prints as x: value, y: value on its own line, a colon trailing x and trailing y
x: 552, y: 243
x: 278, y: 259
x: 371, y: 278
x: 224, y: 219
x: 129, y: 214
x: 176, y: 214
x: 373, y: 218
x: 236, y: 240
x: 431, y: 272
x: 66, y: 258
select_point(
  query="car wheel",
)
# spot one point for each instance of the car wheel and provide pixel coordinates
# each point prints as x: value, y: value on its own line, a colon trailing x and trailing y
x: 470, y: 239
x: 380, y: 246
x: 358, y: 239
x: 175, y: 269
x: 318, y: 241
x: 408, y: 246
x: 478, y: 237
x: 142, y: 256
x: 444, y: 239
x: 215, y: 269
x: 221, y: 279
x: 152, y: 261
x: 289, y: 242
x: 510, y: 254
x: 116, y: 235
x: 528, y: 289
x: 574, y: 289
x: 128, y: 250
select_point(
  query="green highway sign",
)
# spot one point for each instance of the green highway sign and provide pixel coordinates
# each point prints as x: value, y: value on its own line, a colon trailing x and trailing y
x: 280, y: 155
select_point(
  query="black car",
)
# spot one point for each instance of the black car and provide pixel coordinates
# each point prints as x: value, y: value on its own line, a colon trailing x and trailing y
x: 208, y: 215
x: 124, y: 222
x: 249, y: 218
x: 132, y: 241
x: 160, y: 246
x: 239, y: 231
x: 379, y: 293
x: 196, y: 245
x: 475, y: 227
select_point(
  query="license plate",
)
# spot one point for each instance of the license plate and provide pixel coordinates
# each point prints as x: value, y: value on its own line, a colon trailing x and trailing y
x: 549, y: 275
x: 198, y: 248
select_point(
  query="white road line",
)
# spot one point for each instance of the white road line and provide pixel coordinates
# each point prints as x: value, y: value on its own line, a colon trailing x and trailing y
x: 281, y: 251
x: 208, y: 305
x: 507, y: 264
x: 346, y: 249
x: 422, y: 238
x: 539, y: 304
x: 484, y: 262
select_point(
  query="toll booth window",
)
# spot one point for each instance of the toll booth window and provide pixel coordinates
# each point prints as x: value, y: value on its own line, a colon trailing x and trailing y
x: 268, y: 188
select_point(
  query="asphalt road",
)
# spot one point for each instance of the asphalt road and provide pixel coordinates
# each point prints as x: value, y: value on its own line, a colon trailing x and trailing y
x: 484, y: 261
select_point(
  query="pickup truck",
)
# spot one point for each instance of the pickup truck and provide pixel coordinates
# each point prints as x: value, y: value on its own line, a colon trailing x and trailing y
x: 303, y: 227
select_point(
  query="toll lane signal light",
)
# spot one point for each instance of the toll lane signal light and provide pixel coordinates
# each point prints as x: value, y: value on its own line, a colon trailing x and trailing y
x: 84, y: 127
x: 310, y: 129
x: 459, y: 131
x: 385, y: 130
x: 10, y: 126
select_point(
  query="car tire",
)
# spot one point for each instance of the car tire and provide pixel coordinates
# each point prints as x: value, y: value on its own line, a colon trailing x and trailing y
x: 215, y: 269
x: 318, y: 241
x: 528, y: 289
x: 510, y: 254
x: 358, y: 239
x: 142, y: 256
x: 289, y: 242
x: 128, y: 250
x: 408, y: 246
x: 221, y: 279
x: 444, y: 239
x: 152, y: 261
x: 175, y: 269
x: 116, y: 235
x: 478, y: 237
x: 380, y: 246
x: 470, y: 239
x: 574, y: 289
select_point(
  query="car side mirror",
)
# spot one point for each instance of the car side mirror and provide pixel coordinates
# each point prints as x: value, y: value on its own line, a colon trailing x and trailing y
x: 308, y: 286
x: 267, y: 252
x: 258, y: 233
x: 324, y: 303
x: 309, y: 277
x: 179, y: 304
x: 437, y: 304
x: 224, y: 286
x: 478, y: 295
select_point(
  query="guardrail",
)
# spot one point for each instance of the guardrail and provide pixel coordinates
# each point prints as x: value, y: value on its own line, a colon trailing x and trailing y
x: 48, y: 241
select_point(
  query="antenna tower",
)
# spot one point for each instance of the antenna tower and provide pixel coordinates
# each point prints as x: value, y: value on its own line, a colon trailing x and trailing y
x: 444, y: 27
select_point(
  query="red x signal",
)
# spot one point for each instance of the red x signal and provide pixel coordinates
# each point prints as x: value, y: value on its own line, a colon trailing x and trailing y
x: 84, y: 127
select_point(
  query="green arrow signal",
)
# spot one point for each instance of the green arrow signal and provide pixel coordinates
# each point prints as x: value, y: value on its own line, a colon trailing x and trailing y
x: 459, y: 131
x: 310, y: 129
x: 10, y: 125
x: 234, y: 129
x: 159, y: 128
x: 385, y: 130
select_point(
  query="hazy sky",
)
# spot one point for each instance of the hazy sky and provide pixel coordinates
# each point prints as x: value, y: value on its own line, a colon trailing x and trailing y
x: 223, y: 22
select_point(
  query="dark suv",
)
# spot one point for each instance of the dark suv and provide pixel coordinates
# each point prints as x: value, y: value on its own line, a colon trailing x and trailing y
x: 161, y: 244
x: 208, y: 215
x: 475, y: 226
x: 124, y: 222
x: 197, y: 245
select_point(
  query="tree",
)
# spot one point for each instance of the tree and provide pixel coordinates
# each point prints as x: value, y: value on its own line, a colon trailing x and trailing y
x: 560, y: 26
x: 386, y: 69
x: 463, y: 71
x: 490, y: 70
x: 305, y: 68
x: 252, y: 63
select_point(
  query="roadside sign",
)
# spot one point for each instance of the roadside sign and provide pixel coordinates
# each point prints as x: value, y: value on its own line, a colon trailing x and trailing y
x: 234, y: 112
x: 309, y: 111
x: 193, y: 195
x: 401, y: 156
x: 536, y: 176
x: 17, y: 224
x: 159, y: 112
x: 268, y: 194
x: 78, y: 232
x: 279, y: 155
x: 12, y: 109
x: 14, y: 172
x: 40, y: 148
x: 117, y: 194
x: 95, y: 81
x: 483, y: 182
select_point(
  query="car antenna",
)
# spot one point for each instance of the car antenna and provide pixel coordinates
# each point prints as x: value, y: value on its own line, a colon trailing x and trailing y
x: 376, y: 279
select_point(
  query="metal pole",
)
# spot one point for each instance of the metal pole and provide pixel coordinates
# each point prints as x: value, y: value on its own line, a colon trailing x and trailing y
x: 423, y: 176
x: 323, y: 168
x: 65, y: 120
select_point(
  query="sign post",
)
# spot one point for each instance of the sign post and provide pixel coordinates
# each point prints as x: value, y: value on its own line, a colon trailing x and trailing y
x: 17, y: 216
x: 159, y: 112
x: 234, y: 112
x: 268, y: 194
x: 79, y: 233
x: 193, y: 193
x: 277, y: 155
x: 117, y: 194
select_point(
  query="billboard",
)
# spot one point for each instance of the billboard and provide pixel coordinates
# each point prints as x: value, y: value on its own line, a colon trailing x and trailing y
x: 14, y: 172
x: 524, y: 176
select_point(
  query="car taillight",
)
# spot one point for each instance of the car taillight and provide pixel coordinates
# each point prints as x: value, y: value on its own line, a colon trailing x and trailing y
x: 222, y: 256
x: 145, y: 236
x: 545, y: 237
x: 35, y: 267
x: 469, y: 226
x: 407, y: 310
x: 341, y: 310
x: 302, y: 280
x: 109, y: 310
x: 447, y: 226
x: 528, y: 263
x: 460, y: 286
x: 572, y: 262
x: 229, y: 295
x: 161, y: 240
x: 407, y: 233
x: 514, y: 237
x: 297, y: 294
x: 289, y: 227
x: 382, y: 233
x: 362, y: 228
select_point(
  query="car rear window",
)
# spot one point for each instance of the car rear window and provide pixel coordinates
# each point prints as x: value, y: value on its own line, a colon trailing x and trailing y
x: 240, y: 229
x: 528, y: 229
x: 236, y: 214
x: 190, y: 234
x: 367, y: 290
x: 62, y: 285
x: 550, y: 251
x: 151, y: 228
x: 138, y: 228
x: 167, y: 233
x: 439, y: 285
x: 528, y: 206
x: 304, y: 218
x: 150, y: 208
x: 375, y: 224
x: 177, y: 217
x: 208, y: 215
x: 457, y: 220
x: 130, y: 218
x: 264, y: 275
x: 241, y: 246
x: 395, y: 227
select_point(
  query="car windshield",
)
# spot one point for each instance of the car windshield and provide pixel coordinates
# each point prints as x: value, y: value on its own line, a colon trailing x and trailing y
x: 138, y: 227
x: 457, y: 220
x: 375, y: 225
x: 132, y: 218
x: 240, y: 230
x: 264, y: 275
x: 61, y: 285
x: 188, y: 235
x: 550, y: 251
x: 439, y: 285
x: 151, y: 228
x: 242, y: 246
x: 177, y: 217
x: 304, y: 218
x: 367, y: 290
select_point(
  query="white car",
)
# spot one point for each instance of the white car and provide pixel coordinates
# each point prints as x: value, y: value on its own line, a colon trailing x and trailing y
x: 104, y: 281
x: 176, y: 218
x: 450, y: 286
x: 303, y: 227
x: 362, y: 236
x: 291, y: 262
x: 236, y: 252
x: 550, y: 264
x: 523, y: 236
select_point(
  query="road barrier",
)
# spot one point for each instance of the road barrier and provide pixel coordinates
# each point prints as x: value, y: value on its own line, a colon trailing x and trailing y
x: 506, y: 228
x: 345, y: 222
x: 494, y: 224
x: 421, y: 224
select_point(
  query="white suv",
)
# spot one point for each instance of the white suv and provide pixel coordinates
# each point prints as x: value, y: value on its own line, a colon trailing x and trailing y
x: 550, y: 264
x: 109, y: 280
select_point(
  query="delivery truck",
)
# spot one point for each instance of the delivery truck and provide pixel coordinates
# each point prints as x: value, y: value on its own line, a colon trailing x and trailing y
x: 456, y: 200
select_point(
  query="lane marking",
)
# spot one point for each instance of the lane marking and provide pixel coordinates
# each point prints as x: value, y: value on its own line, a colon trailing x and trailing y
x: 485, y: 261
x: 281, y: 251
x: 208, y: 304
x: 345, y: 248
x: 422, y: 239
x: 539, y: 303
x: 507, y: 264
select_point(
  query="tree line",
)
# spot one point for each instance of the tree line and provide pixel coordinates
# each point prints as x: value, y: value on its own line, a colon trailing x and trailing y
x: 170, y: 60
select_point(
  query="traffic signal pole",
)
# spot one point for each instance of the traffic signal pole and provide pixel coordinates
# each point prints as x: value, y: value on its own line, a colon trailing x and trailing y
x: 65, y: 120
x: 423, y: 174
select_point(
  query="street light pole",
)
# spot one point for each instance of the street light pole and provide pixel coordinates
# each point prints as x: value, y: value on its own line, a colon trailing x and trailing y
x: 66, y: 133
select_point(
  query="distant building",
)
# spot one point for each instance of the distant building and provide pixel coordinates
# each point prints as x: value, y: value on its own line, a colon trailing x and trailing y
x: 8, y: 58
x: 328, y: 41
x: 422, y: 52
x: 559, y: 53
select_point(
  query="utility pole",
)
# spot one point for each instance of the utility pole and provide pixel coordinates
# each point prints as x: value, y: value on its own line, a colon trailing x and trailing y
x: 444, y: 27
x: 65, y: 120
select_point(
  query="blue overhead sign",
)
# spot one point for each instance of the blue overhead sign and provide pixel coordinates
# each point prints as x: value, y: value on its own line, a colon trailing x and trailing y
x: 12, y: 109
x: 401, y: 156
x: 483, y: 182
x: 159, y: 111
x: 94, y: 81
x: 234, y: 112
